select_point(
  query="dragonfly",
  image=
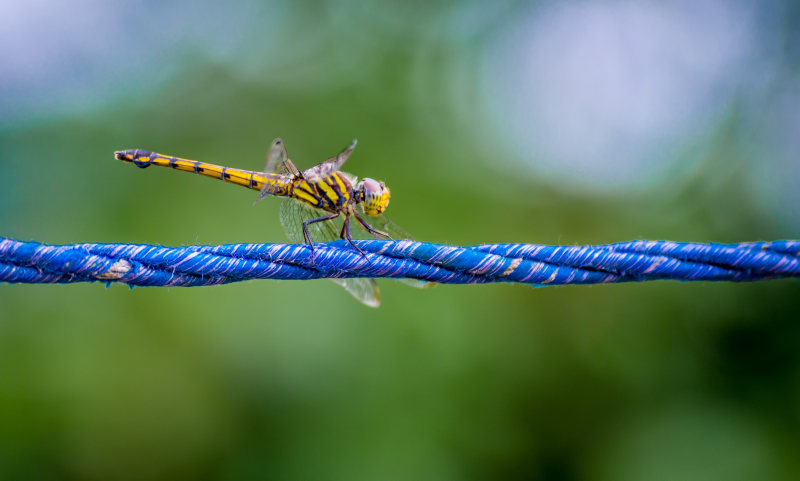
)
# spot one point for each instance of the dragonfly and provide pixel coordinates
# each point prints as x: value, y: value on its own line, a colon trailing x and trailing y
x: 312, y: 200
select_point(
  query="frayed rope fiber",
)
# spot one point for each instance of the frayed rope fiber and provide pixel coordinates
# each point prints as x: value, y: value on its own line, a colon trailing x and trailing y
x: 151, y: 265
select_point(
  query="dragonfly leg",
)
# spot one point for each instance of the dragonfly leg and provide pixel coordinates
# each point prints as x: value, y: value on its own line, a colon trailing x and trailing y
x: 371, y: 229
x: 307, y: 237
x: 345, y: 234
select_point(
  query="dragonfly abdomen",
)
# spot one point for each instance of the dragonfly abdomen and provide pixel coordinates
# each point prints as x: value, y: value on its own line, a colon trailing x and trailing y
x: 277, y: 184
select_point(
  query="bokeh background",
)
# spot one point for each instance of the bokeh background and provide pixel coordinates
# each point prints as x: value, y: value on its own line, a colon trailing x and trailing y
x: 492, y: 121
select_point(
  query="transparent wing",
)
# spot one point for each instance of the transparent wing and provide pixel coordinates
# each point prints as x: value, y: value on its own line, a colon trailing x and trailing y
x: 293, y: 214
x: 278, y: 161
x: 333, y: 164
x: 276, y: 158
x: 383, y: 223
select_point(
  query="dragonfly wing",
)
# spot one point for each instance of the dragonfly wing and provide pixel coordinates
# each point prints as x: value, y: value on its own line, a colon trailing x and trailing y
x: 334, y: 163
x: 364, y: 290
x: 293, y: 214
x: 278, y: 161
x: 276, y: 158
x: 383, y: 223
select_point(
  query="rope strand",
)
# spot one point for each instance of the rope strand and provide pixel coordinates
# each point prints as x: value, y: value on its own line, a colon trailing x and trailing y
x: 151, y: 265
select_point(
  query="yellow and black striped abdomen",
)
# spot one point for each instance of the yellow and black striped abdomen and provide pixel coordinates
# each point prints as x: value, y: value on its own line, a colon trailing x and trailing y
x: 331, y: 193
x: 277, y: 184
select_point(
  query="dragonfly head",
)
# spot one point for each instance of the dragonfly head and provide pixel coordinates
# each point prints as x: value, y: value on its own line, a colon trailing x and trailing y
x: 374, y: 195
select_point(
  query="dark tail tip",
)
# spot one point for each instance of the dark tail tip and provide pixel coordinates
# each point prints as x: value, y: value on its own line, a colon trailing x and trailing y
x: 132, y: 155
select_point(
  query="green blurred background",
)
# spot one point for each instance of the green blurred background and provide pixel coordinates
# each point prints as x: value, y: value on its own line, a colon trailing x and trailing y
x: 549, y: 122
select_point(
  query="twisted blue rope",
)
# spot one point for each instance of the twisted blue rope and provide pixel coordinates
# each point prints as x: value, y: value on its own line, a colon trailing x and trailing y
x: 150, y: 265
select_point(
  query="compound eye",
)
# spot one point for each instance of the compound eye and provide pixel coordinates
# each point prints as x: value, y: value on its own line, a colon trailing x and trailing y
x: 372, y: 187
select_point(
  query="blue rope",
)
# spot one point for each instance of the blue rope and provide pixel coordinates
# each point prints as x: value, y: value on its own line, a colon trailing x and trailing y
x: 150, y: 265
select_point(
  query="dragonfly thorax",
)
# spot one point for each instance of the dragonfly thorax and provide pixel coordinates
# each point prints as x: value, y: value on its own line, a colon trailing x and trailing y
x: 332, y: 193
x: 374, y: 196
